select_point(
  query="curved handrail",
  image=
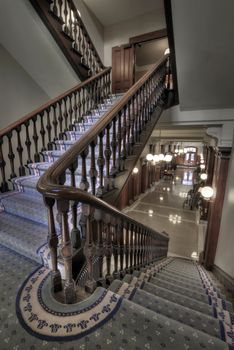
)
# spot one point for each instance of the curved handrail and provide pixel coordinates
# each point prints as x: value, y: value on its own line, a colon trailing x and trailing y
x: 124, y: 235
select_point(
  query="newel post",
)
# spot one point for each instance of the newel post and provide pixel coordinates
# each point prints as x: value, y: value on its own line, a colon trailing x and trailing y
x: 56, y: 280
x: 66, y: 252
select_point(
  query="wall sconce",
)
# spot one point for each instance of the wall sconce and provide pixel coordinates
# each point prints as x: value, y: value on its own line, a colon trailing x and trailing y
x: 207, y: 192
x: 150, y: 212
x: 203, y: 176
x: 135, y: 171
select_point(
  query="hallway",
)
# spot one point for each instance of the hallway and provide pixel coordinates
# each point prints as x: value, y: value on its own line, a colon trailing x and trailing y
x: 159, y: 206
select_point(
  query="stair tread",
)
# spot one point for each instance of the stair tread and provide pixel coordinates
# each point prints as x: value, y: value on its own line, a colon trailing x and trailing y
x: 22, y: 235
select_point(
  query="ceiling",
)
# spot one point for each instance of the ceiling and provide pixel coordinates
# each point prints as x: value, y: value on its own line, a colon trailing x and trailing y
x: 109, y: 12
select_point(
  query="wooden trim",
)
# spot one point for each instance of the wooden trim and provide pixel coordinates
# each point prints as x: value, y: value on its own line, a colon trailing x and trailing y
x: 171, y: 42
x: 224, y: 278
x: 157, y: 34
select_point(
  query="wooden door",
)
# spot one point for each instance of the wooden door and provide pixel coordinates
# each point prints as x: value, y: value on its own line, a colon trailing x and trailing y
x: 122, y: 68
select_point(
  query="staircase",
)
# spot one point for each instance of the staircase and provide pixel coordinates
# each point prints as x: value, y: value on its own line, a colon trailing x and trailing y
x: 23, y: 216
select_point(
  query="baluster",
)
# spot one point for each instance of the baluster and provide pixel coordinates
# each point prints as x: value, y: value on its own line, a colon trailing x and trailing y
x: 124, y: 135
x: 99, y: 246
x: 35, y: 139
x: 11, y: 155
x: 42, y: 132
x: 28, y: 143
x: 4, y: 184
x: 143, y: 259
x: 75, y: 109
x: 116, y: 249
x: 66, y: 252
x: 93, y: 170
x: 119, y: 138
x: 79, y: 106
x: 55, y: 123
x: 56, y: 280
x: 84, y: 184
x: 83, y: 102
x: 135, y: 246
x: 75, y: 233
x: 83, y: 46
x: 147, y: 247
x: 100, y: 163
x: 131, y: 253
x: 65, y: 11
x: 128, y: 129
x: 127, y: 248
x: 20, y: 151
x: 60, y: 120
x: 89, y: 251
x: 65, y: 114
x: 79, y: 37
x: 70, y: 21
x: 49, y: 129
x: 107, y: 158
x: 108, y: 252
x: 132, y: 125
x: 70, y: 111
x: 75, y: 36
x: 113, y: 146
x: 121, y: 248
x: 55, y: 8
x: 60, y: 3
x: 88, y: 98
x: 139, y: 246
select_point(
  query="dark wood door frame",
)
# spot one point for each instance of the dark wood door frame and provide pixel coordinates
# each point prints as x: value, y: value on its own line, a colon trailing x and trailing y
x: 157, y: 34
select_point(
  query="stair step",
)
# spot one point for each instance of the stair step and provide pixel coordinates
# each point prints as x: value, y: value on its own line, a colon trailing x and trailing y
x: 166, y: 273
x: 22, y: 235
x: 185, y: 315
x: 26, y: 206
x: 178, y: 298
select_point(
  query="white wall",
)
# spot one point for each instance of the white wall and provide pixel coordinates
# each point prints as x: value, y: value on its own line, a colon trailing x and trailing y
x: 118, y: 34
x: 19, y: 93
x: 225, y: 250
x: 93, y: 26
x: 27, y: 39
x: 203, y: 32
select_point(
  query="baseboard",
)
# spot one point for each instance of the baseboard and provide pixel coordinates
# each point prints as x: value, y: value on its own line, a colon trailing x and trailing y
x: 224, y: 278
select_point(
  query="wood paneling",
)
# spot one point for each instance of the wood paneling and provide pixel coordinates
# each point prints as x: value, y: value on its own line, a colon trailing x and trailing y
x: 157, y: 34
x: 122, y: 68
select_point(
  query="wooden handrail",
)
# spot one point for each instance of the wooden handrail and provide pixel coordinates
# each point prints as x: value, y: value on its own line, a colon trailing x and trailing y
x: 55, y: 171
x: 50, y: 103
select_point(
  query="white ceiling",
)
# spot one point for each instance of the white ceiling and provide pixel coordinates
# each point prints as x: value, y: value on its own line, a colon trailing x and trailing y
x: 114, y: 11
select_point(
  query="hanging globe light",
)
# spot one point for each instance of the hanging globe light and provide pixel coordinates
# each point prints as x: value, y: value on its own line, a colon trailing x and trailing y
x: 168, y: 158
x: 135, y: 170
x: 156, y: 158
x: 161, y: 156
x: 207, y: 192
x: 202, y: 166
x: 149, y: 157
x: 203, y: 176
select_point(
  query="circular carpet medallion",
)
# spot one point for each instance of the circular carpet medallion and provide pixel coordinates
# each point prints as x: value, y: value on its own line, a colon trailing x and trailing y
x: 41, y: 315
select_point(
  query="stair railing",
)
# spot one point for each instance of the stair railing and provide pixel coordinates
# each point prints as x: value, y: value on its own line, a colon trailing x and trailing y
x: 106, y: 232
x: 23, y: 142
x: 67, y: 24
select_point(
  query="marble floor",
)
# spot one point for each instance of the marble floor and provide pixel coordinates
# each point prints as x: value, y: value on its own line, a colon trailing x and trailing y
x: 158, y: 209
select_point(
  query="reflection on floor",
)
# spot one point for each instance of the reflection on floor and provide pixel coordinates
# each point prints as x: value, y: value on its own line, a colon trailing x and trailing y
x: 162, y: 208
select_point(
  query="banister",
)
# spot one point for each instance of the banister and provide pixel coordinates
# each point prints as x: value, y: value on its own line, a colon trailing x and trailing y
x: 50, y: 103
x: 65, y: 160
x: 73, y: 6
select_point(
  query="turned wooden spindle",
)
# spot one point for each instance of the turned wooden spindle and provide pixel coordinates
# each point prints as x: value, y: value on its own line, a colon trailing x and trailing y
x: 75, y: 232
x: 131, y: 248
x: 127, y: 247
x: 11, y: 156
x: 60, y: 119
x: 89, y: 252
x: 93, y: 170
x: 65, y: 16
x: 121, y: 248
x: 116, y: 249
x: 28, y: 143
x: 70, y: 113
x: 84, y: 184
x: 114, y: 147
x: 108, y: 252
x: 49, y: 129
x: 42, y: 132
x: 4, y: 184
x: 107, y: 158
x: 20, y: 151
x: 119, y: 141
x: 98, y: 215
x: 56, y: 279
x: 60, y: 10
x: 101, y: 163
x: 55, y: 122
x: 35, y: 140
x: 66, y: 252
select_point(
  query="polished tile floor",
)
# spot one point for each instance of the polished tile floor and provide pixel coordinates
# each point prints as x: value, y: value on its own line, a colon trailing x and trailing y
x: 162, y: 209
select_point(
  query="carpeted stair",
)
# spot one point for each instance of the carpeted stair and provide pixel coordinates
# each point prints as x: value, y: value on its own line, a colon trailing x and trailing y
x: 23, y: 216
x: 182, y: 291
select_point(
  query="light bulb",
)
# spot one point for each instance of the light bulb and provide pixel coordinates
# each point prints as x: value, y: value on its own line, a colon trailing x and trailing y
x: 149, y: 157
x: 207, y: 192
x: 203, y: 176
x: 135, y: 170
